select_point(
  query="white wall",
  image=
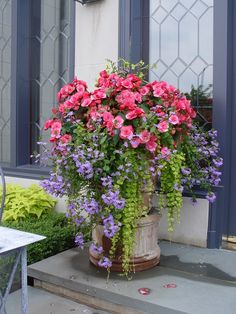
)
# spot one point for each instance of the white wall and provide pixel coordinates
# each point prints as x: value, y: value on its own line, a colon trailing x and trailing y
x: 193, y: 225
x: 96, y: 38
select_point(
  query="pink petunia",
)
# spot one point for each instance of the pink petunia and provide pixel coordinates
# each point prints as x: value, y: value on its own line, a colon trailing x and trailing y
x: 86, y: 102
x: 144, y: 90
x: 151, y: 145
x: 118, y: 122
x: 145, y: 136
x: 137, y: 112
x: 127, y: 83
x: 165, y: 152
x: 48, y: 124
x: 173, y: 119
x: 64, y: 139
x: 126, y: 132
x: 163, y: 126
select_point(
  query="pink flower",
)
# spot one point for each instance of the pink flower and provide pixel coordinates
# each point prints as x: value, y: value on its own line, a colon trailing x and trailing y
x: 103, y: 74
x: 56, y: 130
x: 165, y: 152
x: 56, y: 125
x: 65, y: 91
x: 126, y: 132
x: 107, y: 116
x: 99, y: 94
x: 158, y: 92
x: 65, y: 138
x: 138, y: 97
x: 127, y: 83
x: 144, y: 90
x: 86, y: 102
x: 137, y: 112
x: 126, y: 99
x: 62, y: 108
x: 48, y: 124
x: 68, y: 104
x: 145, y: 136
x: 118, y: 122
x: 80, y: 90
x: 131, y: 115
x: 151, y: 145
x: 173, y: 119
x: 163, y: 126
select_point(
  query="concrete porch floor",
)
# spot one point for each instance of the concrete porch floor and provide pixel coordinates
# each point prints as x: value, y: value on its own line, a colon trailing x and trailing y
x: 43, y: 302
x: 205, y: 282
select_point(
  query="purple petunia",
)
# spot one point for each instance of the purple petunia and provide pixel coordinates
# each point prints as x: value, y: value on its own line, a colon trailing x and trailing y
x: 112, y: 198
x: 97, y: 249
x: 91, y: 206
x: 185, y: 171
x: 211, y: 197
x: 105, y: 262
x: 79, y: 240
x: 110, y: 228
x: 218, y: 162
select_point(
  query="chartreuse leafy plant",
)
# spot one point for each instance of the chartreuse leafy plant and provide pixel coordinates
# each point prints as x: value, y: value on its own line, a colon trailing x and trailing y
x: 112, y: 145
x: 21, y: 203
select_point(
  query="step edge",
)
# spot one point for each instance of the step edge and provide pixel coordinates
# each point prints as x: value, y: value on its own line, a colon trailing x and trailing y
x: 99, y: 293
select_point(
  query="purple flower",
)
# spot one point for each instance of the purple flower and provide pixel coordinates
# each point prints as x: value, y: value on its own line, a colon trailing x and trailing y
x: 119, y: 203
x: 85, y: 169
x: 178, y: 187
x: 185, y: 171
x: 218, y: 162
x: 90, y: 206
x: 110, y: 228
x: 53, y: 185
x: 79, y: 221
x: 107, y: 181
x: 112, y: 198
x: 105, y: 262
x: 97, y: 249
x: 79, y: 240
x: 211, y: 197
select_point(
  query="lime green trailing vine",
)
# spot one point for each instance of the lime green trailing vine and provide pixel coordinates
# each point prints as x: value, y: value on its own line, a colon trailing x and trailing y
x: 171, y: 193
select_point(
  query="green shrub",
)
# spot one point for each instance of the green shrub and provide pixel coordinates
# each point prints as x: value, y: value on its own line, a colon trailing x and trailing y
x: 55, y: 227
x: 21, y: 203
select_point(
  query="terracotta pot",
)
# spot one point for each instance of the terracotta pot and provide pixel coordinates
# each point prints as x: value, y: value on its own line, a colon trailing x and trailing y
x: 146, y: 252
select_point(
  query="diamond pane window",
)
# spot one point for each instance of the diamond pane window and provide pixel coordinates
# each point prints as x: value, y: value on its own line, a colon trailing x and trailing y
x: 50, y: 42
x: 5, y: 79
x: 181, y: 50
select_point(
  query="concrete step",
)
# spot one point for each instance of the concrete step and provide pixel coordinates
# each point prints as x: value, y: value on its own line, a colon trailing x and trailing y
x: 70, y: 274
x: 43, y: 302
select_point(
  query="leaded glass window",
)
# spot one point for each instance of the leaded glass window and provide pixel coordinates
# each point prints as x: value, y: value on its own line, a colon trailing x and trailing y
x: 181, y: 47
x: 50, y: 41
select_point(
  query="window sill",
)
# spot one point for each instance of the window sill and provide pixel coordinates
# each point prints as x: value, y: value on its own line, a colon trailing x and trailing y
x: 27, y: 172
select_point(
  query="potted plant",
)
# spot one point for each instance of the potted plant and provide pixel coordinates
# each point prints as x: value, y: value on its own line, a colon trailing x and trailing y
x: 111, y: 147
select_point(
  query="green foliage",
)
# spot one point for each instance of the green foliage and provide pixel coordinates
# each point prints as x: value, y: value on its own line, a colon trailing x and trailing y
x: 55, y: 227
x: 21, y: 203
x: 171, y: 193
